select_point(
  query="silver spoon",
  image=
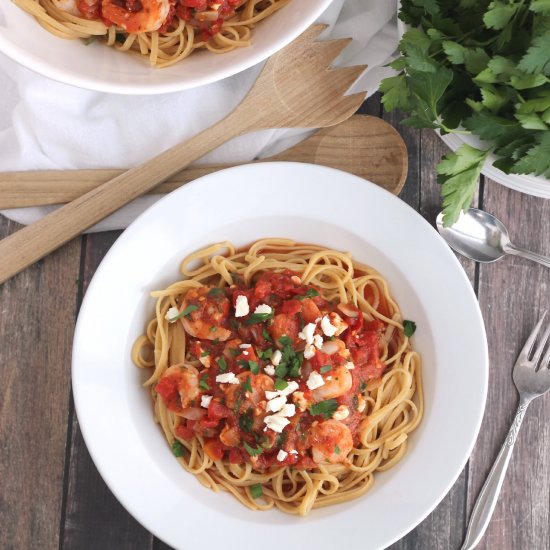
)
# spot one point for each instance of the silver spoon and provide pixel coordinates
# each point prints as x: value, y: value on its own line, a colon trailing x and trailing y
x: 481, y: 237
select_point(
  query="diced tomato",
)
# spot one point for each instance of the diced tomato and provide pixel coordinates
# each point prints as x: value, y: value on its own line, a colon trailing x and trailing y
x: 291, y: 307
x: 214, y: 448
x: 262, y: 289
x: 217, y: 411
x: 236, y: 456
x: 167, y: 388
x: 199, y: 5
x: 184, y: 432
x: 320, y: 359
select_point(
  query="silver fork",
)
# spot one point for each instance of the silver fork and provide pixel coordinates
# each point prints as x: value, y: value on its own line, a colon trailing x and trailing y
x: 532, y: 378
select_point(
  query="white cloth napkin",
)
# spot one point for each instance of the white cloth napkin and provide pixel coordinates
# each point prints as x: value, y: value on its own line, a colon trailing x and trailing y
x: 48, y: 125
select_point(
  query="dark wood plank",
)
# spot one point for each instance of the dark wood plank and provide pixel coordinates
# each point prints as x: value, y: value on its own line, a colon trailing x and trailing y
x: 38, y: 309
x: 513, y: 292
x: 93, y: 516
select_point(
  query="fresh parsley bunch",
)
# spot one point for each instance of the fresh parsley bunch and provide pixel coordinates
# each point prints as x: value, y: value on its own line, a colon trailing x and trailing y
x: 476, y: 66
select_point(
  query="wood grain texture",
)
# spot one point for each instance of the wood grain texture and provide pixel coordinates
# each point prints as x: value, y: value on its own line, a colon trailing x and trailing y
x: 37, y: 313
x: 60, y: 501
x: 362, y: 145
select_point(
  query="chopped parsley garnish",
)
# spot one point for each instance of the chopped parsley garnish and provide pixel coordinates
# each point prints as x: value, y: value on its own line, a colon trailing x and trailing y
x: 265, y: 354
x: 216, y: 292
x: 177, y: 448
x: 281, y: 370
x: 253, y: 451
x: 409, y: 328
x: 259, y: 318
x: 324, y: 408
x: 285, y: 340
x: 213, y: 329
x: 280, y: 384
x: 205, y: 353
x: 337, y: 450
x: 245, y: 421
x: 235, y: 351
x: 363, y: 386
x: 203, y: 384
x: 310, y: 293
x: 216, y: 341
x: 266, y: 335
x: 189, y: 309
x: 325, y: 368
x: 222, y: 363
x: 256, y: 490
x: 246, y: 384
x: 254, y: 367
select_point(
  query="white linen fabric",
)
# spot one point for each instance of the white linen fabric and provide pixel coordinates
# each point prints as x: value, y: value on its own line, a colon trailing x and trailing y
x: 48, y: 125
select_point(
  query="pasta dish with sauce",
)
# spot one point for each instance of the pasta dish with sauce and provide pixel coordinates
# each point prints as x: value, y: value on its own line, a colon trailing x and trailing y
x: 282, y: 373
x: 166, y: 31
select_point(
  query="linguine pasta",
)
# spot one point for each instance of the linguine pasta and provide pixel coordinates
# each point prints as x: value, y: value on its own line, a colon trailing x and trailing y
x: 175, y: 39
x: 349, y: 412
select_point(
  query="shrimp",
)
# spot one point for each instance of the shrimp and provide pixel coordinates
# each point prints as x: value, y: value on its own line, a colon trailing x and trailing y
x: 179, y: 388
x: 135, y: 16
x: 206, y: 320
x: 331, y: 441
x: 255, y: 399
x: 337, y: 382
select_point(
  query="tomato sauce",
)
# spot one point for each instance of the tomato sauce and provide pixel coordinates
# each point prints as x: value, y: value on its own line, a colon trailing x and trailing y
x: 285, y: 385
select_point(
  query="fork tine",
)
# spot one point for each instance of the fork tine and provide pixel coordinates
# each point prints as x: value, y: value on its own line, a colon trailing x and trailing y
x: 524, y: 355
x: 348, y: 75
x: 540, y: 348
x: 545, y: 363
x: 329, y: 50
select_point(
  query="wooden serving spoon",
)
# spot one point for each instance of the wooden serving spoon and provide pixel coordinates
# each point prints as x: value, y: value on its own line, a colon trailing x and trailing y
x: 296, y: 89
x: 364, y: 145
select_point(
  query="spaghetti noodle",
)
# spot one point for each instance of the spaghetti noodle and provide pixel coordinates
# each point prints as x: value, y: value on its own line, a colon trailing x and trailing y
x: 166, y: 31
x: 281, y: 373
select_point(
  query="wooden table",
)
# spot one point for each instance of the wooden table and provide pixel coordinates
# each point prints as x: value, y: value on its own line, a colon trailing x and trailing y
x: 51, y: 495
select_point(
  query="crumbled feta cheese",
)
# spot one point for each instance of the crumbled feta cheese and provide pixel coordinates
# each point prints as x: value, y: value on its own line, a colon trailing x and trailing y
x: 327, y: 327
x: 263, y: 308
x: 307, y: 333
x: 292, y: 387
x: 171, y: 313
x: 227, y: 378
x: 288, y: 410
x: 245, y: 353
x: 350, y: 365
x: 281, y: 455
x: 277, y: 356
x: 270, y: 369
x: 318, y: 341
x: 309, y: 352
x: 276, y: 423
x: 245, y: 346
x: 341, y: 413
x: 293, y: 452
x: 205, y: 401
x: 276, y: 404
x: 241, y: 306
x: 315, y: 380
x: 328, y: 378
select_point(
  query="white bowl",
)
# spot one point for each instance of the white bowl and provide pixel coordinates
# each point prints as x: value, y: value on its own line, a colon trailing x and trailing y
x: 309, y: 204
x: 104, y: 69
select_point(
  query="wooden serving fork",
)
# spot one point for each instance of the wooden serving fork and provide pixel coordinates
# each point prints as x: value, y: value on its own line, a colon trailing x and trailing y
x: 296, y: 89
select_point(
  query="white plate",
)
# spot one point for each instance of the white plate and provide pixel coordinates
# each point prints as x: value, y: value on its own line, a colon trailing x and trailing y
x: 104, y: 69
x: 310, y: 204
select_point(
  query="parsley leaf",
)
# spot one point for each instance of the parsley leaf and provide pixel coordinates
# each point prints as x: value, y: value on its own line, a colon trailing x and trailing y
x: 222, y: 363
x: 310, y: 293
x: 459, y: 174
x: 253, y: 451
x: 246, y: 384
x: 325, y: 368
x: 177, y: 448
x: 324, y: 408
x: 203, y: 384
x: 256, y: 490
x: 409, y: 328
x: 259, y: 318
x: 280, y: 384
x: 189, y: 309
x: 254, y: 367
